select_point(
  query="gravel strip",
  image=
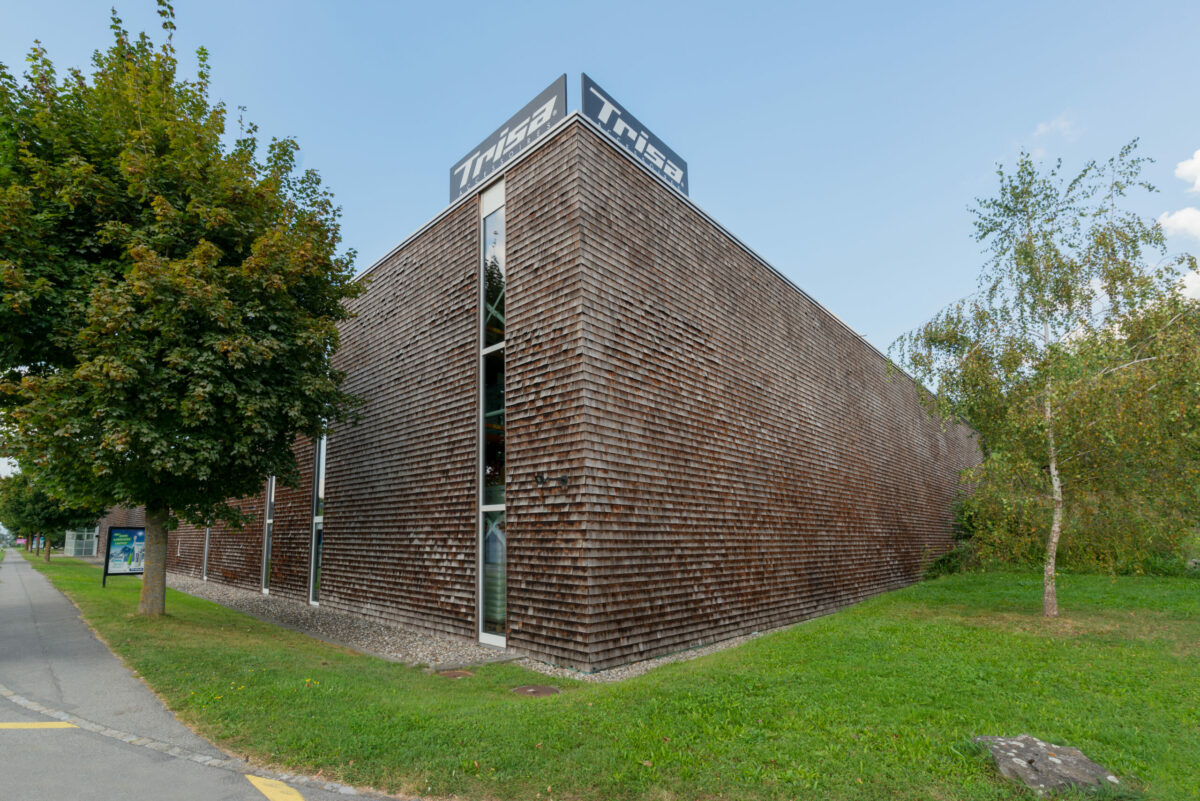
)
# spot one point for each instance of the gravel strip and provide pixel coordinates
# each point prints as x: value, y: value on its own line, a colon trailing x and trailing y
x: 635, y: 668
x: 388, y: 640
x: 394, y: 642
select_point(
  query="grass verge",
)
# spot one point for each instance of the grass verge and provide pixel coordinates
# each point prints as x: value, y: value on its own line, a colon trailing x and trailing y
x: 877, y: 701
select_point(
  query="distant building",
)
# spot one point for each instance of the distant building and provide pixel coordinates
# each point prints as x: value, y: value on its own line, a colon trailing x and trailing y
x: 81, y: 542
x: 597, y: 427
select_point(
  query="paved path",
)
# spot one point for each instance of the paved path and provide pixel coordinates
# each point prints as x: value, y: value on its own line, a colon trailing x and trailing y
x: 76, y: 724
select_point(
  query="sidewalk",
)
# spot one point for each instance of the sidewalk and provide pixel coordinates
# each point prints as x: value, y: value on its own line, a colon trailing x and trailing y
x: 82, y: 726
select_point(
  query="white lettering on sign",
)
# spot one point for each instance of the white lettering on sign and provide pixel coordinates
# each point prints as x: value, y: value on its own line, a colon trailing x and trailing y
x: 640, y: 139
x: 533, y: 121
x: 504, y: 143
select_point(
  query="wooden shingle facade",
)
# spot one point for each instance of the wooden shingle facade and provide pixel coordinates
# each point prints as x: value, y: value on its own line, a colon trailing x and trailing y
x: 694, y: 448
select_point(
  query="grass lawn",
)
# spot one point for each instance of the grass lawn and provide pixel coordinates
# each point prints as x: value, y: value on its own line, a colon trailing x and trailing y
x: 875, y: 702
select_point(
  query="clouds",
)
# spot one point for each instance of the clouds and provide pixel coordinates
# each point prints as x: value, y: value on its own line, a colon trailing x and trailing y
x: 1063, y: 126
x: 1189, y: 170
x: 1190, y: 285
x: 1185, y: 222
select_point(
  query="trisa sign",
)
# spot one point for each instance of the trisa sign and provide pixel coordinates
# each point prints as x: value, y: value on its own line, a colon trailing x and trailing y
x: 511, y: 139
x: 613, y: 119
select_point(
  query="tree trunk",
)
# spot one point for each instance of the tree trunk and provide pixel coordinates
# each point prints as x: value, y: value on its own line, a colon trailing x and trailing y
x: 37, y: 544
x: 1049, y: 591
x: 153, y: 601
x: 47, y: 546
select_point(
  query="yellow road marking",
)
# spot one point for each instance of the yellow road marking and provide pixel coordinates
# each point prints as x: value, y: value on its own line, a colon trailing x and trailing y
x: 273, y: 790
x: 53, y: 725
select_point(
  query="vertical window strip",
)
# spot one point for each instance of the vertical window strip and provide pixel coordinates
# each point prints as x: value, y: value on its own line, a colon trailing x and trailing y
x: 492, y: 558
x: 318, y: 521
x: 268, y: 534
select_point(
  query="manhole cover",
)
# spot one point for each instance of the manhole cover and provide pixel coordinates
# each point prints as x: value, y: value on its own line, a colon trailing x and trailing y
x: 535, y: 689
x: 455, y: 674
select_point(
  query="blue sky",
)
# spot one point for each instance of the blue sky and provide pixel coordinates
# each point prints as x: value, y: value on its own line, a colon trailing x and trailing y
x: 843, y: 142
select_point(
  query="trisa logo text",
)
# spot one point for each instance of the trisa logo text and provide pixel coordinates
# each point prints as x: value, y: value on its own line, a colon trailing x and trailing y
x: 639, y: 141
x: 507, y: 143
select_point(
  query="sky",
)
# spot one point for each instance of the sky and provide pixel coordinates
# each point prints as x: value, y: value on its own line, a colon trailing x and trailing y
x: 843, y: 142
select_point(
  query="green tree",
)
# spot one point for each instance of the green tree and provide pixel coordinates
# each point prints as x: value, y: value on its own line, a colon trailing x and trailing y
x: 28, y: 511
x: 170, y: 303
x: 1075, y: 360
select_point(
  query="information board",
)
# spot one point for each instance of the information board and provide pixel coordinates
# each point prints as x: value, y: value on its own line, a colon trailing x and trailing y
x: 125, y: 553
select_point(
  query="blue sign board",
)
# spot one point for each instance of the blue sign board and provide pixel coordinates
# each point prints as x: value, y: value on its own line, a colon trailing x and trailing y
x: 510, y: 140
x: 614, y: 120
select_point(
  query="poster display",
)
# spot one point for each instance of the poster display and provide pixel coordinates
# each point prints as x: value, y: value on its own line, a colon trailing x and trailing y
x: 125, y: 554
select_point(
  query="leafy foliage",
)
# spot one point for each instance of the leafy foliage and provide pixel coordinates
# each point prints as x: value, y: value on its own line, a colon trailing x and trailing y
x: 25, y: 510
x: 1078, y: 363
x: 169, y: 303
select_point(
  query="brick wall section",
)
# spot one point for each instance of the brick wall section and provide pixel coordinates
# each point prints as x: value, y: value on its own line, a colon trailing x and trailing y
x: 399, y: 539
x: 235, y: 553
x: 752, y: 462
x: 291, y: 541
x: 122, y: 517
x: 185, y: 550
x: 734, y: 457
x: 401, y: 486
x: 547, y: 569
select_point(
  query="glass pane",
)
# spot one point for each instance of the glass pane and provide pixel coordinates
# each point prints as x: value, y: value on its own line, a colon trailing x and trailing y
x: 318, y: 530
x: 495, y: 568
x: 493, y: 428
x: 493, y: 278
x: 267, y: 556
x: 319, y: 480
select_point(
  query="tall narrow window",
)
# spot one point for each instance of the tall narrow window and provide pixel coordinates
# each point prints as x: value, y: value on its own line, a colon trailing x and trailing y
x: 318, y: 524
x: 268, y: 532
x: 492, y: 546
x: 204, y: 565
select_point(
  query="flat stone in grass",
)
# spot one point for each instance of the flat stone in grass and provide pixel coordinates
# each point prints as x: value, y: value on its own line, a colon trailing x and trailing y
x: 1046, y: 768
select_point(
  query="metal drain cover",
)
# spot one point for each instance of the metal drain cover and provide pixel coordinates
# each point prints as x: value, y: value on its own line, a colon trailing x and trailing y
x: 455, y: 674
x: 536, y: 689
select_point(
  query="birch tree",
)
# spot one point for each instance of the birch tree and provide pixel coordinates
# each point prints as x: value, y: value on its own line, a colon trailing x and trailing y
x: 1076, y: 321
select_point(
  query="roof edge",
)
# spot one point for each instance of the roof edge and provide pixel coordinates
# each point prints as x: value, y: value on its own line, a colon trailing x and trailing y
x: 616, y: 147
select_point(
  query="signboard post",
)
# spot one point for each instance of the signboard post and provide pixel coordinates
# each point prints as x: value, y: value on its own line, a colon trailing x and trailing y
x: 124, y: 553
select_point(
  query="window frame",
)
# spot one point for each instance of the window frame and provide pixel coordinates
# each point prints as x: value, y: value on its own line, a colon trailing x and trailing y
x: 268, y: 534
x: 320, y: 454
x: 492, y: 199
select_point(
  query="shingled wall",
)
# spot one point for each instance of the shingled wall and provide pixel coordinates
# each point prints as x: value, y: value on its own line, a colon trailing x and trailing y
x: 720, y: 453
x: 751, y: 460
x: 401, y: 485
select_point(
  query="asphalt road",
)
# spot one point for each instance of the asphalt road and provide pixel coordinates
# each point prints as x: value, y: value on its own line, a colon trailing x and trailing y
x: 76, y: 725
